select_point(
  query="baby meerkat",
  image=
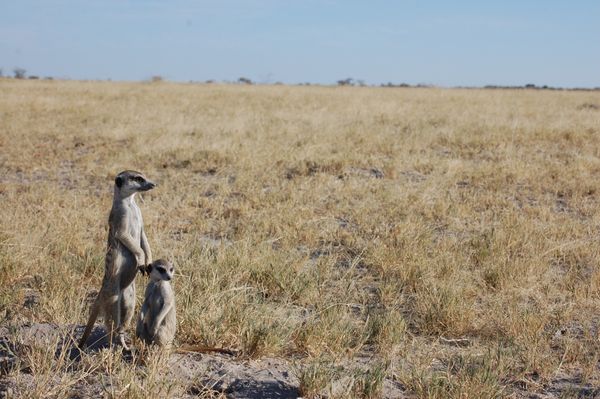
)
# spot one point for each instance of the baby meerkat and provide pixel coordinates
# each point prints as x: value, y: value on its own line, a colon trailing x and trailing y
x: 157, y: 321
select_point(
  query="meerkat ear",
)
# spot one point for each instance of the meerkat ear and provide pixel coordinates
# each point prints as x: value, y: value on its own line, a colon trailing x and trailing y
x: 119, y: 181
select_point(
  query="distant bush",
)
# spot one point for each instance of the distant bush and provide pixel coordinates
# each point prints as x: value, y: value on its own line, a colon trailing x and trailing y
x: 19, y: 73
x: 33, y: 77
x: 345, y: 82
x: 156, y: 78
x: 245, y: 81
x: 390, y: 84
x: 529, y: 86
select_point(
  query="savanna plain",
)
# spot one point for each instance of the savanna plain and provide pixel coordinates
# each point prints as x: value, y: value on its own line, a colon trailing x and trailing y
x: 365, y: 242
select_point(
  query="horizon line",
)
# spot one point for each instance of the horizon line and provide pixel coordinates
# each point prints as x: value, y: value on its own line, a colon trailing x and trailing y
x: 349, y: 82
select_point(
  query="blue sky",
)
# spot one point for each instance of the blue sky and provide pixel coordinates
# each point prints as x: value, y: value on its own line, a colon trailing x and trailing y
x: 447, y: 43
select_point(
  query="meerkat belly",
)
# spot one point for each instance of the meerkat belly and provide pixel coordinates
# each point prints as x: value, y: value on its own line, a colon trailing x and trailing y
x: 118, y: 255
x: 166, y: 331
x: 170, y: 320
x: 158, y: 303
x: 135, y: 226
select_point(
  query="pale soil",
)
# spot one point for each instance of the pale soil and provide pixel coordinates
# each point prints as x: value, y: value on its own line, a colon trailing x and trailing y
x: 194, y: 373
x: 217, y: 375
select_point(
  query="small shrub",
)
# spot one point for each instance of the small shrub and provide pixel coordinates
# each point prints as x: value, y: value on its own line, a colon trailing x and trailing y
x: 19, y: 73
x: 345, y: 82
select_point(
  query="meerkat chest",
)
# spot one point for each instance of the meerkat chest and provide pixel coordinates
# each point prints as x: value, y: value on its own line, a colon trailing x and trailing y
x: 135, y: 220
x: 157, y: 301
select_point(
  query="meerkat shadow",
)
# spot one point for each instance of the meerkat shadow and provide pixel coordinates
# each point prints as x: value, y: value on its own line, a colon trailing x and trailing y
x: 97, y: 341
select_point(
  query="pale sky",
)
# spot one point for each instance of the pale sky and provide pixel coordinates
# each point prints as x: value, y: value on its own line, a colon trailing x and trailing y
x: 446, y: 43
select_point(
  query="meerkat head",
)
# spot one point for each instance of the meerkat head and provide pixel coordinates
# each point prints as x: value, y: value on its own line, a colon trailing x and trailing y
x: 130, y: 182
x: 159, y: 270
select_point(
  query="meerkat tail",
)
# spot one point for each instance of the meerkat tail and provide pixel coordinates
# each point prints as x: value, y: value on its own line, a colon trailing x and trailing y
x: 203, y: 349
x: 90, y: 324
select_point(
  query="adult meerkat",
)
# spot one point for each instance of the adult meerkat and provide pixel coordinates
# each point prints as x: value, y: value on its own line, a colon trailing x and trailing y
x: 157, y: 321
x: 127, y: 248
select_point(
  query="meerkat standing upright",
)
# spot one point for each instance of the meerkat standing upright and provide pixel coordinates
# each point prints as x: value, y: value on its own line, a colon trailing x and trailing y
x: 157, y: 321
x: 127, y: 248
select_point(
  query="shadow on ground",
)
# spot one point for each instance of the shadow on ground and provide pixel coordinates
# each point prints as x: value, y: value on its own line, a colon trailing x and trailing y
x: 97, y: 341
x: 221, y: 373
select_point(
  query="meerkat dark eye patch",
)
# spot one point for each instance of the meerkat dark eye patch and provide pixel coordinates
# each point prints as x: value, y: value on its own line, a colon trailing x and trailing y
x: 161, y: 270
x: 139, y: 179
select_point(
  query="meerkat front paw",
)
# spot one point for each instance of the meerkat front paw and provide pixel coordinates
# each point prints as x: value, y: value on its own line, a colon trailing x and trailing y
x: 140, y: 259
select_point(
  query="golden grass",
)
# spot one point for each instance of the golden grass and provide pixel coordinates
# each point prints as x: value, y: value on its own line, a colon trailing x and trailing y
x: 323, y: 221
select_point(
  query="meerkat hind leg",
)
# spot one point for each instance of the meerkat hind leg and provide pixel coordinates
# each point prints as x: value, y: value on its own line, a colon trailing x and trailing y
x: 114, y: 320
x: 127, y: 312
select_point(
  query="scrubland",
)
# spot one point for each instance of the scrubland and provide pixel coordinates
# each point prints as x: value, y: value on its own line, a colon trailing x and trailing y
x: 441, y: 241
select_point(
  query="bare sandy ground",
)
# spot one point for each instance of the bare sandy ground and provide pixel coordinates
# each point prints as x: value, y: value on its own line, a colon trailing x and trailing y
x: 207, y: 375
x: 200, y: 374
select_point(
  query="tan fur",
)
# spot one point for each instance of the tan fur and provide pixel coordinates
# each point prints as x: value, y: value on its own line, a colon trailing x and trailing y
x: 158, y: 321
x: 127, y: 248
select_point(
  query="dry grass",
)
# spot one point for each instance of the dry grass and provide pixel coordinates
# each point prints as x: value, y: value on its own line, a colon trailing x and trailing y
x: 316, y: 221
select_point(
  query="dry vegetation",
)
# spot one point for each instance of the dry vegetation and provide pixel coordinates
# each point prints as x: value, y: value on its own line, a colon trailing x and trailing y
x: 448, y: 237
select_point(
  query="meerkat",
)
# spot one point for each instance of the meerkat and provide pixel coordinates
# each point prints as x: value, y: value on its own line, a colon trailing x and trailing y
x: 154, y: 328
x: 159, y: 298
x: 127, y: 249
x: 157, y: 320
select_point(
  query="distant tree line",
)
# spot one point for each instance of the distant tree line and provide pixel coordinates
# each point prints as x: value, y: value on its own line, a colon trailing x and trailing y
x: 390, y: 84
x: 351, y: 82
x: 21, y: 73
x: 531, y: 86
